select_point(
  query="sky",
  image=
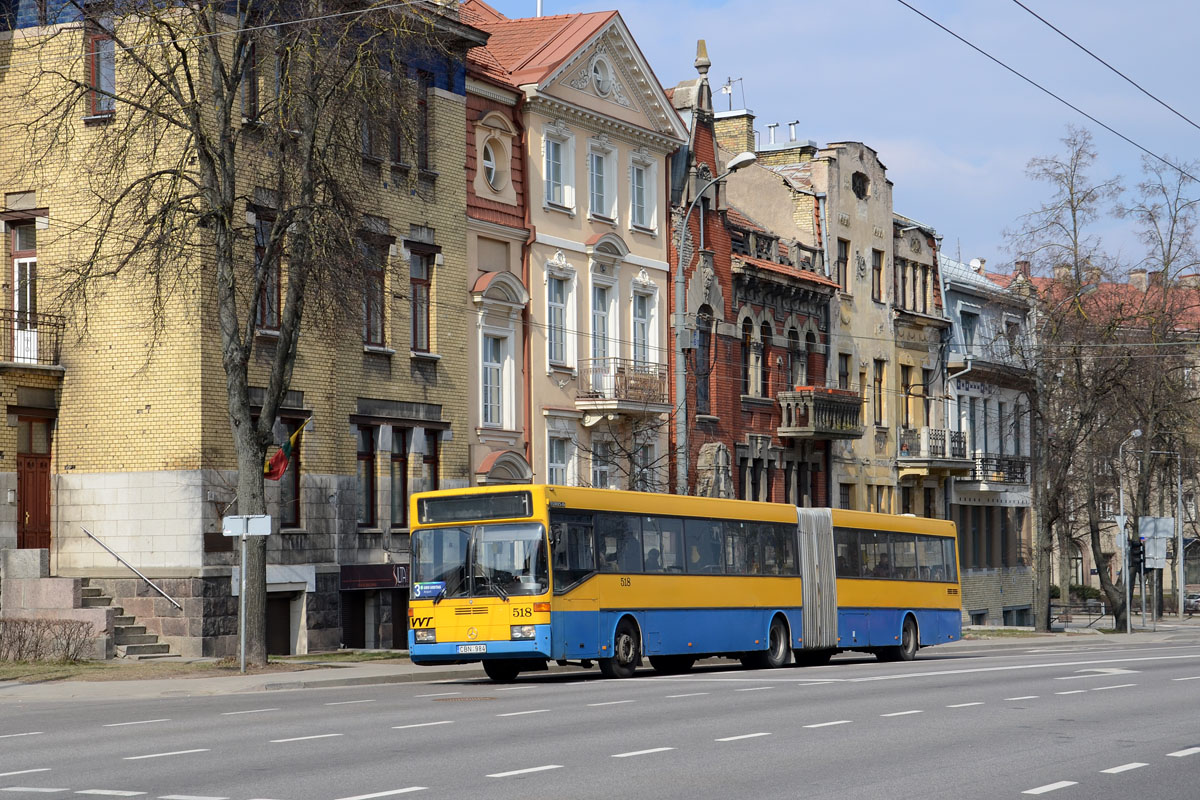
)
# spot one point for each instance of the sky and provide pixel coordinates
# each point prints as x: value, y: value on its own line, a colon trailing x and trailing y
x: 954, y: 129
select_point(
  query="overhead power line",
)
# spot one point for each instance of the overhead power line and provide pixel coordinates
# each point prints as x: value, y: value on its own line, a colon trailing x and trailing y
x: 1129, y: 80
x: 1041, y: 88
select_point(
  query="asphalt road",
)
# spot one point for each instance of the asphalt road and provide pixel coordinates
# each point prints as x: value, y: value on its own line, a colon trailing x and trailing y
x: 1096, y: 719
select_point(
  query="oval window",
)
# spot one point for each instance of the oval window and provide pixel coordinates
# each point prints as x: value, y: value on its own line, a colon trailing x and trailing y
x: 602, y: 77
x: 490, y: 173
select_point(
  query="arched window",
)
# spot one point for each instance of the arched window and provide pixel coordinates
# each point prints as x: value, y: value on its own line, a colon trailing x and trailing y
x: 747, y: 343
x: 797, y: 365
x: 764, y: 361
x: 703, y: 368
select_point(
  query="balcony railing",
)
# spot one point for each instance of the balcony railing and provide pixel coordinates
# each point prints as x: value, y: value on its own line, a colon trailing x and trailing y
x: 932, y: 444
x: 993, y: 468
x: 30, y: 338
x: 819, y: 412
x: 622, y: 383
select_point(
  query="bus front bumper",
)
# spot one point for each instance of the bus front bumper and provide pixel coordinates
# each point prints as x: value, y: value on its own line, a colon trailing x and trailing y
x: 467, y: 651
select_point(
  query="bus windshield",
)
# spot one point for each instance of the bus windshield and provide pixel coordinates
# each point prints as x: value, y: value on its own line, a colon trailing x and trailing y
x: 480, y: 561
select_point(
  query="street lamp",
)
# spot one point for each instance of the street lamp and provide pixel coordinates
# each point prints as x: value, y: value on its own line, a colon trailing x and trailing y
x: 1134, y: 434
x: 680, y: 412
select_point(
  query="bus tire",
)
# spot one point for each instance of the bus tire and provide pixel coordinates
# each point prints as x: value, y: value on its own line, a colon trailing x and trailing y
x: 626, y: 652
x: 671, y: 665
x: 502, y: 671
x: 907, y: 649
x: 778, y: 651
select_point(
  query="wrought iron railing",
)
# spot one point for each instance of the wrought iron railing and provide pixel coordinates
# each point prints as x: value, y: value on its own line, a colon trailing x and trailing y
x: 29, y: 337
x: 1001, y: 469
x: 623, y: 379
x: 928, y: 443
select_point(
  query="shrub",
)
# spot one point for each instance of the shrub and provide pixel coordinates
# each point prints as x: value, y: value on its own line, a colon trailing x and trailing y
x: 44, y: 639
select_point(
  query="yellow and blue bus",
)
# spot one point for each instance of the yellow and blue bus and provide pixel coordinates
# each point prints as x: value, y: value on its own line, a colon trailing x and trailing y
x: 519, y: 576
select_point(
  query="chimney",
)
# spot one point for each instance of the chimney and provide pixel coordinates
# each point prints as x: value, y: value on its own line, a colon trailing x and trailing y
x: 1022, y: 268
x: 1191, y: 281
x: 771, y: 132
x: 1157, y: 278
x: 792, y: 130
x: 1092, y: 275
x: 1138, y: 279
x: 735, y: 130
x: 1062, y: 272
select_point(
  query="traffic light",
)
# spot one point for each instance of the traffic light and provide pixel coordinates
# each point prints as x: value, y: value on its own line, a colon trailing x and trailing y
x: 1137, y: 552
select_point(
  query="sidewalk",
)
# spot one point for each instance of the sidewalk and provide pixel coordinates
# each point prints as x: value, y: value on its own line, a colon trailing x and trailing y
x: 375, y: 673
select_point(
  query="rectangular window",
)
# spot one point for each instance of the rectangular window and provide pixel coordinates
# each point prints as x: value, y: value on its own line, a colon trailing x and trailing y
x: 846, y: 495
x: 554, y: 176
x: 493, y: 381
x: 424, y: 84
x: 365, y: 478
x: 597, y: 185
x: 374, y: 259
x: 643, y: 465
x: 970, y: 324
x: 843, y: 371
x: 905, y: 394
x: 399, y: 477
x: 641, y: 329
x: 637, y: 191
x: 930, y: 502
x: 24, y: 276
x: 599, y: 324
x: 877, y: 392
x: 877, y: 275
x: 250, y: 83
x: 102, y: 72
x: 705, y: 546
x: 420, y: 272
x: 430, y: 462
x: 926, y: 397
x: 601, y: 464
x: 843, y: 264
x: 556, y: 460
x: 556, y: 314
x: 266, y: 317
x: 662, y: 538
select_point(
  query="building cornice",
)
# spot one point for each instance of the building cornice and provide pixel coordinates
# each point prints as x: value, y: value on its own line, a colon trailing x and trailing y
x: 490, y: 91
x: 496, y: 229
x: 554, y: 108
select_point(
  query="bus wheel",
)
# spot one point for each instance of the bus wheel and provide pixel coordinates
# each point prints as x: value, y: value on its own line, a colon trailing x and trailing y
x: 502, y: 671
x: 671, y: 665
x: 907, y: 649
x: 777, y: 652
x: 626, y: 652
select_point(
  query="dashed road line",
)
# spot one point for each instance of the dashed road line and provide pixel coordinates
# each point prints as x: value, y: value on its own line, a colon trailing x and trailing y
x: 1123, y: 768
x: 525, y: 771
x: 41, y: 789
x: 900, y: 713
x: 24, y: 771
x: 392, y: 793
x: 828, y: 724
x: 164, y: 755
x: 643, y: 752
x: 754, y: 689
x: 1191, y: 751
x: 250, y: 711
x: 1118, y: 686
x: 438, y: 694
x: 609, y: 703
x: 690, y: 694
x: 349, y: 702
x: 1192, y: 678
x: 1050, y: 787
x: 13, y: 735
x: 1073, y: 691
x: 523, y: 713
x: 423, y: 724
x: 189, y: 797
x: 743, y: 736
x: 307, y: 738
x: 965, y: 705
x: 110, y: 793
x: 512, y: 688
x: 137, y: 722
x: 1022, y: 697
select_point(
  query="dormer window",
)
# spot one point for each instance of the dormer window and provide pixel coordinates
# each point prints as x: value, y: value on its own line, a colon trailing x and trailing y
x: 602, y: 77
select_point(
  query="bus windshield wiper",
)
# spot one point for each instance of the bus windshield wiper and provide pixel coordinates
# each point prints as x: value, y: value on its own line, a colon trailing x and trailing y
x: 440, y: 595
x: 500, y: 591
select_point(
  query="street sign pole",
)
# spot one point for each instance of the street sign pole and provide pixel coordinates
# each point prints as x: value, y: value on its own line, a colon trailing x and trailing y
x: 244, y: 525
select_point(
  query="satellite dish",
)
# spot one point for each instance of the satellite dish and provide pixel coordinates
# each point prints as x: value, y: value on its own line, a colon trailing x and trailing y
x: 976, y: 264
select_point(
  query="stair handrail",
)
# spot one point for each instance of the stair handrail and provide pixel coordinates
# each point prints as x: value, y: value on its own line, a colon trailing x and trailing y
x: 115, y: 555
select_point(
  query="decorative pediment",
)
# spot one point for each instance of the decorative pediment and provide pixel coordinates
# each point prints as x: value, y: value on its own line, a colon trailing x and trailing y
x: 599, y: 77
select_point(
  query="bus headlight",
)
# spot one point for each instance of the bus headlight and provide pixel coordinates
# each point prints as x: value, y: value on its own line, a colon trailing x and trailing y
x: 425, y: 636
x: 524, y: 631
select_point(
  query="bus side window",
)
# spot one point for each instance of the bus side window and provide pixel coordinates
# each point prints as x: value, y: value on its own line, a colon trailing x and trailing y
x: 904, y: 553
x: 662, y: 540
x: 573, y: 555
x: 951, y: 561
x: 846, y: 545
x: 876, y: 560
x: 785, y: 549
x: 619, y: 538
x: 929, y: 552
x: 704, y: 546
x: 736, y: 538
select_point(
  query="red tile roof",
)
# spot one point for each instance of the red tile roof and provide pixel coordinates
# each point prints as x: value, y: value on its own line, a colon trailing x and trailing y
x: 739, y: 219
x: 528, y: 50
x: 784, y: 269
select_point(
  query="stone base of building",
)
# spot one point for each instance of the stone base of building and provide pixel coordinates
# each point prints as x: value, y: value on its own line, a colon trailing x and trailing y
x: 1002, y: 596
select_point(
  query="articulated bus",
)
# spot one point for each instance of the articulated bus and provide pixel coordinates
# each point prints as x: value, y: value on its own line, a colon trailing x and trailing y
x: 518, y: 576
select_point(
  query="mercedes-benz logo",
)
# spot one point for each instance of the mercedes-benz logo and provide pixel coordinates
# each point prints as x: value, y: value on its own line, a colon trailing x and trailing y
x: 472, y: 634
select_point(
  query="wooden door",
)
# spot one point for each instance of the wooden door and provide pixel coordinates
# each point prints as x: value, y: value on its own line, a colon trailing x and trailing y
x: 33, y: 501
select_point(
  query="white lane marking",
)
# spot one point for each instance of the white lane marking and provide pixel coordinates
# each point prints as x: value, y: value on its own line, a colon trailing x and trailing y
x: 1022, y: 697
x: 138, y: 722
x: 1191, y: 751
x: 110, y: 792
x: 349, y: 702
x: 11, y: 735
x: 438, y: 694
x: 965, y: 705
x: 1193, y: 678
x: 524, y: 771
x: 392, y: 793
x: 1073, y: 691
x: 189, y: 797
x: 522, y: 713
x: 643, y: 752
x: 691, y: 694
x: 1014, y: 667
x: 422, y: 724
x: 754, y: 689
x: 1049, y: 787
x: 306, y: 738
x: 1123, y: 768
x: 163, y: 755
x: 900, y: 713
x: 816, y: 683
x: 24, y: 771
x: 743, y: 736
x: 1118, y: 686
x: 31, y: 789
x: 609, y: 703
x: 1097, y: 673
x: 827, y: 724
x: 251, y: 711
x: 512, y: 688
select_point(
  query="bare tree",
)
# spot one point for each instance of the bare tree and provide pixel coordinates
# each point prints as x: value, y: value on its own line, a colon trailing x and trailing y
x: 628, y: 452
x: 223, y: 141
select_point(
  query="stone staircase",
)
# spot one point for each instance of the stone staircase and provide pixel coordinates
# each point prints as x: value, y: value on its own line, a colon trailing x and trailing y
x: 131, y: 639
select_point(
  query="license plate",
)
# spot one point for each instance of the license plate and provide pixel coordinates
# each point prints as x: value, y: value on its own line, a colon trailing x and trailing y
x: 472, y: 648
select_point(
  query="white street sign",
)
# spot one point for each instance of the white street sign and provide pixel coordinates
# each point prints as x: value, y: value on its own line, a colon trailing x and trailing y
x: 246, y: 525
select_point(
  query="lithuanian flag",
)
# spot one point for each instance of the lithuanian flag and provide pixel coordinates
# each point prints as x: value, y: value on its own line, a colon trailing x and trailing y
x: 277, y: 464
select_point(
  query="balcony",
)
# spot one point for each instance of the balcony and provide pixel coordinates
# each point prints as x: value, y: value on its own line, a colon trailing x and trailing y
x: 819, y: 412
x: 992, y: 468
x: 622, y: 385
x: 30, y: 338
x: 927, y: 451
